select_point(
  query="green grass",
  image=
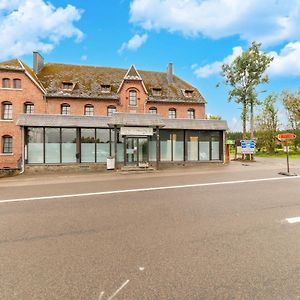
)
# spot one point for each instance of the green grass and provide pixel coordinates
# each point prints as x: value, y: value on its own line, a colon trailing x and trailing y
x: 278, y: 153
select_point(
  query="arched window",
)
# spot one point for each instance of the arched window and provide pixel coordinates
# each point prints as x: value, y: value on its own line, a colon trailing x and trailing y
x: 153, y: 110
x: 6, y: 144
x: 111, y: 110
x: 17, y: 83
x: 65, y: 109
x: 6, y: 83
x: 28, y: 108
x: 172, y: 113
x: 6, y: 110
x: 191, y: 113
x: 132, y: 98
x: 88, y: 110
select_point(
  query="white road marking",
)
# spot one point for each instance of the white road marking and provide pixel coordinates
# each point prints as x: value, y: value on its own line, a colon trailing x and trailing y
x: 141, y: 268
x: 118, y: 290
x: 101, y: 295
x: 293, y: 220
x: 149, y: 189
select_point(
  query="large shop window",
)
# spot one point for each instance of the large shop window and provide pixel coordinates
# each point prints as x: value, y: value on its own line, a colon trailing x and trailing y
x: 68, y: 145
x: 171, y: 145
x: 52, y: 145
x: 104, y: 147
x: 203, y: 145
x: 61, y: 145
x: 35, y: 145
x: 88, y: 145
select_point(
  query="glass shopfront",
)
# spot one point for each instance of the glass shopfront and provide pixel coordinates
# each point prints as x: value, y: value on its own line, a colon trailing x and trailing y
x: 46, y: 145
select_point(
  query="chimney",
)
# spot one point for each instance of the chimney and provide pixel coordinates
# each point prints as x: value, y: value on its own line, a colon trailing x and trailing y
x: 38, y: 62
x: 170, y: 73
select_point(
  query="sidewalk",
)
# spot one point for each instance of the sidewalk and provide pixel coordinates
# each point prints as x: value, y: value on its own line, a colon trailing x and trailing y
x: 276, y: 164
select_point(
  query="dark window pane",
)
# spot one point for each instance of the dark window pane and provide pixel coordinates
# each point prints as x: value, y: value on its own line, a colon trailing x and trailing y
x: 17, y: 83
x: 132, y: 98
x: 7, y: 111
x: 7, y: 144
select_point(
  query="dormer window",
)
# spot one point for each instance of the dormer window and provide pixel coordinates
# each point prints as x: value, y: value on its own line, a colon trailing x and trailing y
x: 156, y: 91
x: 105, y: 88
x: 67, y: 86
x: 188, y: 93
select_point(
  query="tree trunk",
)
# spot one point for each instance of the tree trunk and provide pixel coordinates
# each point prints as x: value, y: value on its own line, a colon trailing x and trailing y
x: 251, y: 122
x: 244, y: 117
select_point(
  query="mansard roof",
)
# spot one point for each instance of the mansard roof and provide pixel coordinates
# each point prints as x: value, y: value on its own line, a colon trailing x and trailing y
x: 87, y: 81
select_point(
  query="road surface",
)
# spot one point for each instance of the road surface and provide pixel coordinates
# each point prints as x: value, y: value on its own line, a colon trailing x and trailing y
x: 209, y: 233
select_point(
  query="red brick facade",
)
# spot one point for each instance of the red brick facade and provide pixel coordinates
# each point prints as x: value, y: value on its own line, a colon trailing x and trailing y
x: 30, y: 92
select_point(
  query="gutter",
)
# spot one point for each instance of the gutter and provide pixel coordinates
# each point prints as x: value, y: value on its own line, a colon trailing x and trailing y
x: 22, y: 151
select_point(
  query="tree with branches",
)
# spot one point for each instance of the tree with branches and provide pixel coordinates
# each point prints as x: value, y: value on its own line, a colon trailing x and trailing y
x: 244, y: 75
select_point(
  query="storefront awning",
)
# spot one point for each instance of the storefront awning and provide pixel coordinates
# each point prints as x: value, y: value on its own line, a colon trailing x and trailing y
x: 120, y: 120
x: 195, y: 124
x: 135, y: 119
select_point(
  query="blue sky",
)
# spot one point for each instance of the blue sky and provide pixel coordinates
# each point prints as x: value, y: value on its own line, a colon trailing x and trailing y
x: 196, y: 35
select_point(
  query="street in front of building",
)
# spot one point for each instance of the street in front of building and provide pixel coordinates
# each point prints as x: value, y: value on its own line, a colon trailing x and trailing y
x: 215, y: 232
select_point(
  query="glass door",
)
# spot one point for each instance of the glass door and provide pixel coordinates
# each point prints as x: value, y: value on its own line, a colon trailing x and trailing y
x: 131, y: 151
x: 137, y: 151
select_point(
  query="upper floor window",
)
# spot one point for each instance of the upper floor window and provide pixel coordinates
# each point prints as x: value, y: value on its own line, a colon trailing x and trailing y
x: 172, y: 113
x: 65, y: 109
x: 111, y: 110
x: 105, y: 88
x: 6, y: 144
x: 156, y: 92
x: 191, y: 113
x: 132, y: 98
x: 89, y: 110
x: 6, y: 83
x: 188, y: 93
x: 29, y: 108
x: 68, y: 86
x: 17, y: 83
x: 153, y: 110
x: 6, y: 110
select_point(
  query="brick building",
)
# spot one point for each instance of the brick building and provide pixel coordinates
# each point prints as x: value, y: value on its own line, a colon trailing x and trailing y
x: 58, y: 114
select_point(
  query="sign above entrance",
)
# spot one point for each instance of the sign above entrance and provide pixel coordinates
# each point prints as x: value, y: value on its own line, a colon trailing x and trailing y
x: 136, y: 131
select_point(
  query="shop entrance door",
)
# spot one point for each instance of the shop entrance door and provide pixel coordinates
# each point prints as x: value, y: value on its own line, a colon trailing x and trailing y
x: 137, y: 151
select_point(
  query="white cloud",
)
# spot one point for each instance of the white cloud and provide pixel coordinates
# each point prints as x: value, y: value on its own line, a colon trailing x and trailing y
x: 268, y: 21
x: 29, y: 25
x: 215, y: 67
x: 287, y: 61
x: 134, y: 43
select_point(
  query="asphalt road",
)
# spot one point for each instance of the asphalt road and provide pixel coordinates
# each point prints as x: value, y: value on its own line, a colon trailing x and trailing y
x: 229, y: 240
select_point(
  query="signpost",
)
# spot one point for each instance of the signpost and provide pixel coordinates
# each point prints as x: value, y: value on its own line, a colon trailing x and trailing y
x: 248, y: 147
x: 285, y: 137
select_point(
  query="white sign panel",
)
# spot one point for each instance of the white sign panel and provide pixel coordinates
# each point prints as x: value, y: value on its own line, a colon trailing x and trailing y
x: 136, y: 131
